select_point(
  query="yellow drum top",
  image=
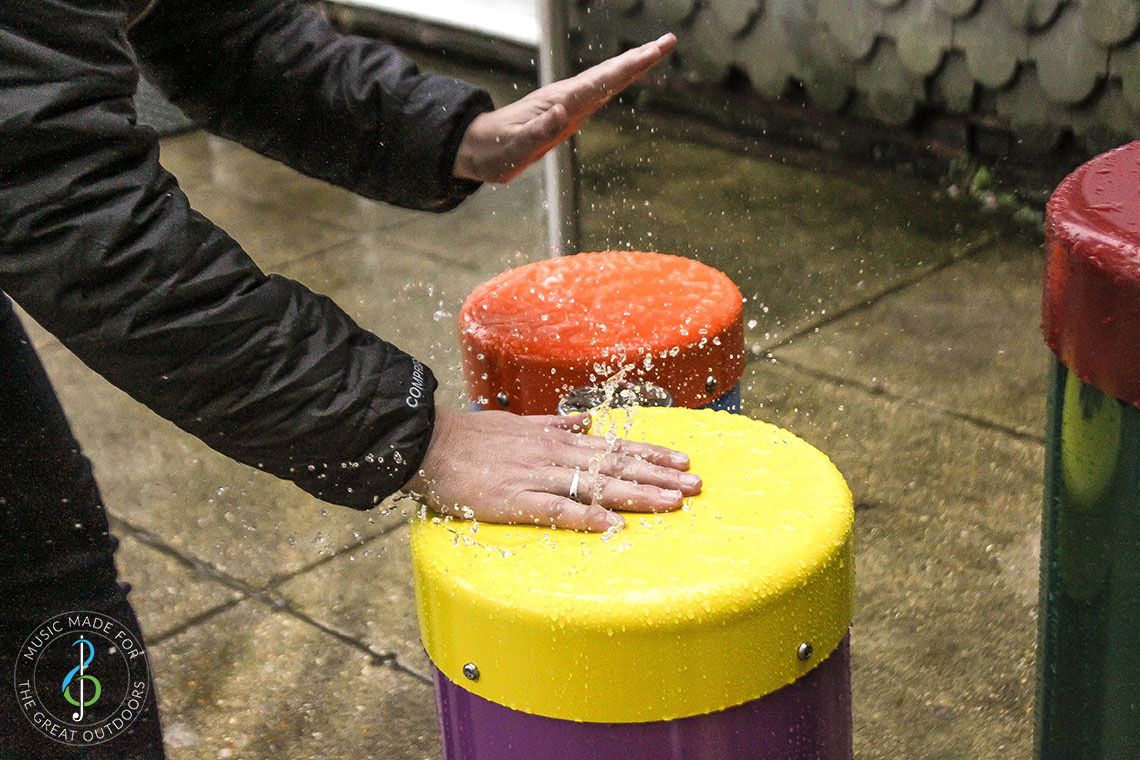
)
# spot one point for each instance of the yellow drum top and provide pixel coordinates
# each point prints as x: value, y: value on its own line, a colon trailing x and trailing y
x: 678, y: 614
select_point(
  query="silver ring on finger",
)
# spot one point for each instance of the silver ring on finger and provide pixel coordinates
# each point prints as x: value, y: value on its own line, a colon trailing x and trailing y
x: 574, y: 480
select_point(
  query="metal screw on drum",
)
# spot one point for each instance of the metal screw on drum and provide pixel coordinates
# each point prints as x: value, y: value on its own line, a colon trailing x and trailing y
x: 471, y: 672
x: 710, y: 384
x: 503, y: 400
x: 804, y: 651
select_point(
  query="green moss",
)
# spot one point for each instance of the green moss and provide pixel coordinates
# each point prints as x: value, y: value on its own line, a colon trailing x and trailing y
x: 982, y: 181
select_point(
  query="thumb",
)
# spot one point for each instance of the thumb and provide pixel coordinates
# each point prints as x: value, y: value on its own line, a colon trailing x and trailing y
x: 543, y: 130
x: 535, y: 139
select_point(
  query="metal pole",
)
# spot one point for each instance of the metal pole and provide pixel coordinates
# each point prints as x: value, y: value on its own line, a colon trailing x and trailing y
x: 559, y: 166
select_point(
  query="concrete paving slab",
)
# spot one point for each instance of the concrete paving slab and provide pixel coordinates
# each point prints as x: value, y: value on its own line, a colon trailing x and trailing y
x: 279, y: 220
x: 947, y: 523
x: 402, y: 291
x: 197, y: 157
x: 166, y: 594
x: 242, y: 521
x: 253, y: 683
x: 967, y: 338
x: 499, y: 227
x: 368, y: 594
x: 40, y: 337
x: 803, y: 238
x: 273, y: 234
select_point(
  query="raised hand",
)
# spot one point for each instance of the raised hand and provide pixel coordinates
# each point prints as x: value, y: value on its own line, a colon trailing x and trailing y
x: 501, y: 143
x: 507, y: 468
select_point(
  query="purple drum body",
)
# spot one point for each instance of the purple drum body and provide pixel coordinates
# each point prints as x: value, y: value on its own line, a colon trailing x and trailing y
x: 806, y: 720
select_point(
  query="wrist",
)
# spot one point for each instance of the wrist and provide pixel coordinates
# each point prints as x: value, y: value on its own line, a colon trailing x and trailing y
x: 420, y: 481
x: 466, y: 167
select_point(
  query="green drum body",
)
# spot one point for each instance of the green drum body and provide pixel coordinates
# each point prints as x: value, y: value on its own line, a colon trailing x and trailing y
x: 1088, y: 686
x: 1089, y: 649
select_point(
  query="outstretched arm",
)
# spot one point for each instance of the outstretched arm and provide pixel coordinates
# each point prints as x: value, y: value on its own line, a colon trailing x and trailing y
x: 500, y: 144
x: 276, y: 77
x: 273, y: 75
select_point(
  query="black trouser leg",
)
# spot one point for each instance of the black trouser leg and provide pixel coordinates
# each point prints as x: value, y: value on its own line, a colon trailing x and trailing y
x: 56, y: 556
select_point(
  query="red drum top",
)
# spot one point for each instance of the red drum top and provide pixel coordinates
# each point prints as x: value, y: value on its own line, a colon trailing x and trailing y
x: 1091, y: 313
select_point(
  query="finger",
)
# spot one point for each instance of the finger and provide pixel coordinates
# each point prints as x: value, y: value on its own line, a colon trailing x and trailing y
x: 666, y: 42
x: 542, y: 129
x: 560, y: 512
x: 594, y: 86
x: 659, y: 455
x: 634, y: 497
x: 637, y: 470
x: 623, y: 69
x: 535, y: 138
x: 573, y: 423
x: 610, y: 492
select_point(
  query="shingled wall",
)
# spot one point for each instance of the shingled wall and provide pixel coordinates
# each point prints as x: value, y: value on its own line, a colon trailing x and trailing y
x: 1053, y: 73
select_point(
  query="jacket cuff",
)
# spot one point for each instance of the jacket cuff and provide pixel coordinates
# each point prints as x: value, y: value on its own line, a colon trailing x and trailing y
x: 401, y: 426
x: 424, y: 423
x: 400, y: 450
x: 438, y: 161
x: 457, y: 189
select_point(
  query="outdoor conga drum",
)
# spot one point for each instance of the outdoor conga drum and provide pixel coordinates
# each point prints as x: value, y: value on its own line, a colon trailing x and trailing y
x: 716, y: 632
x: 1088, y: 685
x: 537, y: 334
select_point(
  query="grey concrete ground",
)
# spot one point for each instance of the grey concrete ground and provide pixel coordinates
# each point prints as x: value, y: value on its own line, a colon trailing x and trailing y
x: 890, y: 326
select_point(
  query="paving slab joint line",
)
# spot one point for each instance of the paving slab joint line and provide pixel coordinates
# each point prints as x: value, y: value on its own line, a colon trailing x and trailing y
x: 881, y: 392
x: 381, y: 237
x: 201, y: 617
x: 353, y: 237
x: 377, y: 657
x: 405, y: 247
x: 259, y: 201
x: 971, y: 249
x: 199, y: 566
x: 403, y: 667
x: 267, y: 595
x: 205, y: 568
x: 282, y: 578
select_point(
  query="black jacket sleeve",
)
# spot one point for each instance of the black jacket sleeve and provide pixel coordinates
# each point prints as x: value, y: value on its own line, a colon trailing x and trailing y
x: 273, y: 75
x: 98, y: 243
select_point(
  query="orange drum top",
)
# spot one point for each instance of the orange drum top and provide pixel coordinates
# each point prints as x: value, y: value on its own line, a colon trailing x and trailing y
x: 535, y: 332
